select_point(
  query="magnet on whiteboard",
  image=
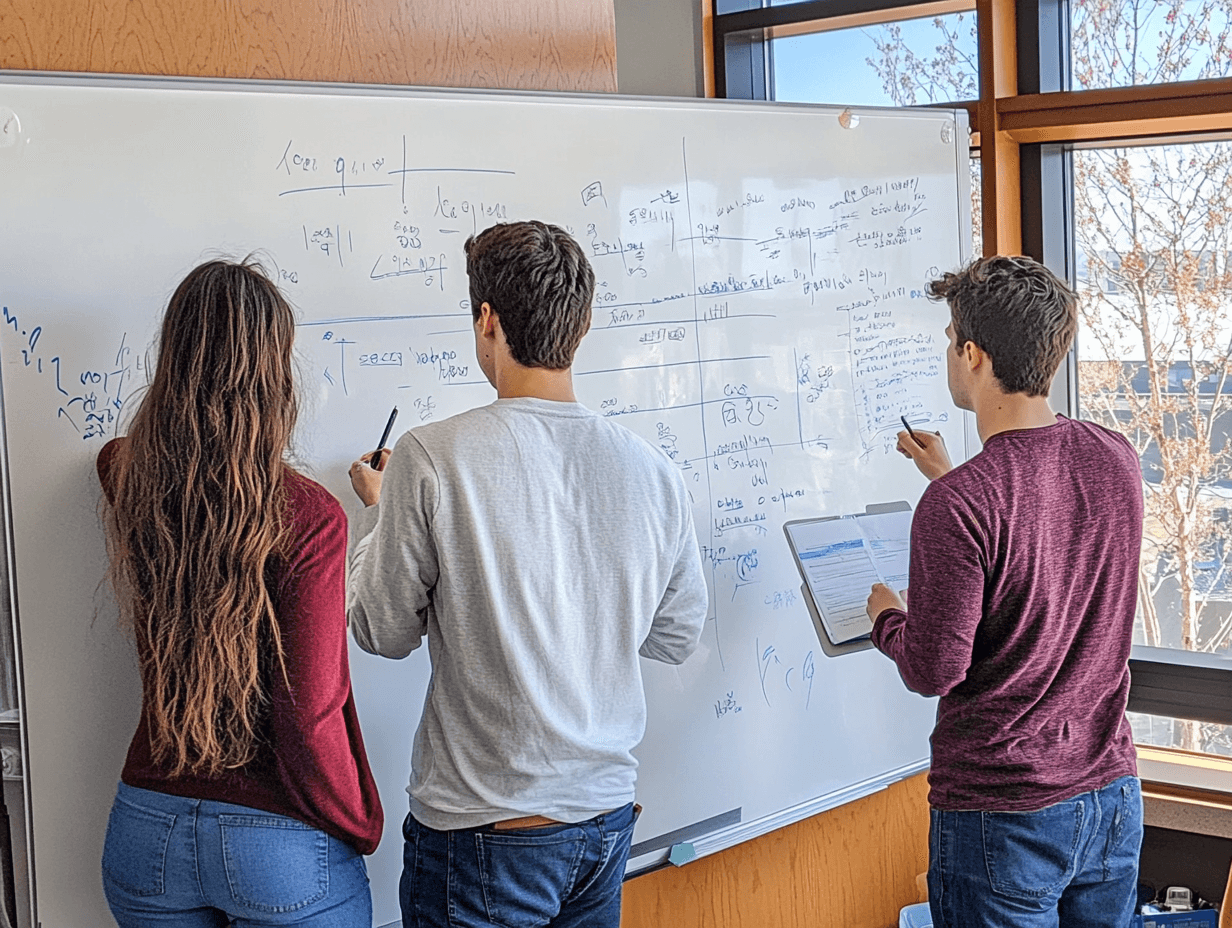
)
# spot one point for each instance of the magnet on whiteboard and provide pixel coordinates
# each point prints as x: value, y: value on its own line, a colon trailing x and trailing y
x: 682, y: 853
x: 847, y: 119
x: 10, y: 127
x: 947, y: 132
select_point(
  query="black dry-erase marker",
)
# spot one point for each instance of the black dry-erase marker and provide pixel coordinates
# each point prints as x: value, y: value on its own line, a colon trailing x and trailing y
x: 910, y: 431
x: 376, y: 455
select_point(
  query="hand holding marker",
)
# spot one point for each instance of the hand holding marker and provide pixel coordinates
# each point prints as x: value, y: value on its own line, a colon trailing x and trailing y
x: 375, y: 460
x: 910, y: 431
x: 932, y: 459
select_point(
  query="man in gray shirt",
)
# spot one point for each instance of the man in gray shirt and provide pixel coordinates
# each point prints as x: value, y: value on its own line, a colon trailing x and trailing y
x: 540, y: 548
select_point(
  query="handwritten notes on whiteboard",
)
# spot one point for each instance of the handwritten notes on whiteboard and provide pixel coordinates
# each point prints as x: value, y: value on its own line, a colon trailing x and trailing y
x: 759, y: 317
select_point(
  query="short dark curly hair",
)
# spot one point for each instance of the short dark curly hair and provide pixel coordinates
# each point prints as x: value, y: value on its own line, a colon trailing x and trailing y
x: 538, y: 282
x: 1019, y: 312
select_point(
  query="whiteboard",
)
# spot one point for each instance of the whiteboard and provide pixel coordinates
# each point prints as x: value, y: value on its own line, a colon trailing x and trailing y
x: 759, y: 316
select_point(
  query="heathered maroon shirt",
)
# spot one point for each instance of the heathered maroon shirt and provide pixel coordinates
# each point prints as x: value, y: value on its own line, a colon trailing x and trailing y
x: 1024, y: 582
x: 311, y: 765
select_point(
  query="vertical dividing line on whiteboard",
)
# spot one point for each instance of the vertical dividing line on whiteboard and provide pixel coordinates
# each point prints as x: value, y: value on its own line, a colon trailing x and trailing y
x: 795, y: 360
x: 701, y: 383
x: 404, y: 172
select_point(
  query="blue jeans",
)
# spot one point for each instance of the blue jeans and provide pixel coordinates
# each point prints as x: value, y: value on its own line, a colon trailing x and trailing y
x: 193, y: 863
x: 1072, y: 864
x: 565, y: 876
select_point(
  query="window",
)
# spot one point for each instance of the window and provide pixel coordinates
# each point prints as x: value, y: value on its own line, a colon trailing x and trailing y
x: 1129, y: 42
x: 902, y: 63
x: 977, y: 206
x: 1155, y: 363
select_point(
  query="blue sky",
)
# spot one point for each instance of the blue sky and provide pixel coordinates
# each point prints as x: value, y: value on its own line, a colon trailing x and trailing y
x: 831, y: 67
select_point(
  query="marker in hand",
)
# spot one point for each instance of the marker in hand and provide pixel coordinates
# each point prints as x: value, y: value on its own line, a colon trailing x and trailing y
x: 376, y: 455
x: 910, y: 431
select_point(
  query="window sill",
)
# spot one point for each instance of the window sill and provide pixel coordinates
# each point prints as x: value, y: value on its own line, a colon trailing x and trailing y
x: 1186, y: 792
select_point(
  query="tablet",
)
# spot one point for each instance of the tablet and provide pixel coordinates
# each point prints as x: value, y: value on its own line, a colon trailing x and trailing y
x: 841, y: 557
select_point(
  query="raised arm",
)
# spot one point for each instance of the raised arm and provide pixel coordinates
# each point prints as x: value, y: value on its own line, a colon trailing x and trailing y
x: 393, y: 563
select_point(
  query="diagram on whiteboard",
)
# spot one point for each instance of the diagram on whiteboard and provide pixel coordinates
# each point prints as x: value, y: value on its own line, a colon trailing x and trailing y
x: 700, y: 338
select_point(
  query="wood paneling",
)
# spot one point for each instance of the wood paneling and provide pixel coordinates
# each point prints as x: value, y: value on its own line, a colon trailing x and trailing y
x: 1119, y: 113
x: 708, y: 46
x: 1225, y: 913
x: 853, y: 866
x: 867, y: 18
x: 530, y: 45
x: 1002, y: 186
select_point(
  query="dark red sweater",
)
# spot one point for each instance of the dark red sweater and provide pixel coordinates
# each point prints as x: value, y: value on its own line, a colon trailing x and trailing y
x: 312, y: 766
x: 1024, y: 583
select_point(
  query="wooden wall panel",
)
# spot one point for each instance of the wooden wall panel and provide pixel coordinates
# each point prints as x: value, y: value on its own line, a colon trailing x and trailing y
x: 528, y: 45
x: 999, y: 155
x: 853, y: 866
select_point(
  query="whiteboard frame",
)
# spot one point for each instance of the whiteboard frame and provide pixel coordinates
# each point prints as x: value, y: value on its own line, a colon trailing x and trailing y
x: 337, y: 88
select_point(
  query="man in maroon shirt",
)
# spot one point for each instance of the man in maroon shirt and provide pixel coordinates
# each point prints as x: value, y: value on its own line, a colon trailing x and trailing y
x: 1023, y: 588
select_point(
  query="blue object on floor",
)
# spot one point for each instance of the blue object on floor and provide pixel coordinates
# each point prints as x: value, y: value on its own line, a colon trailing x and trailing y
x: 915, y: 916
x: 1202, y: 918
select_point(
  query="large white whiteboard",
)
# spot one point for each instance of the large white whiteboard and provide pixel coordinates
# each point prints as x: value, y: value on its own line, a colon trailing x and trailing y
x: 758, y: 317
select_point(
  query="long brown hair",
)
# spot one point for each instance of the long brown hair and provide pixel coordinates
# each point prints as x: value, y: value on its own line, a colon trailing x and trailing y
x: 197, y: 516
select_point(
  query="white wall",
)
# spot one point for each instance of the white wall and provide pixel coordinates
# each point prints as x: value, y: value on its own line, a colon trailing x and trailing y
x: 659, y: 47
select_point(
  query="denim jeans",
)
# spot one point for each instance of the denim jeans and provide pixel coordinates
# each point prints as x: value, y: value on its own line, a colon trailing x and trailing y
x: 563, y: 876
x: 193, y: 863
x: 1072, y: 864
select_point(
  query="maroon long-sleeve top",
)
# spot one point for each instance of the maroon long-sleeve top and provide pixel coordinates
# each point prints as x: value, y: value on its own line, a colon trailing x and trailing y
x: 311, y: 766
x: 1023, y: 587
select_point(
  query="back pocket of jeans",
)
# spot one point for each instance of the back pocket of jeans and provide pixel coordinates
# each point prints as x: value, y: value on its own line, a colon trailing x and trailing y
x: 1031, y: 855
x: 135, y: 848
x: 274, y: 863
x: 525, y: 877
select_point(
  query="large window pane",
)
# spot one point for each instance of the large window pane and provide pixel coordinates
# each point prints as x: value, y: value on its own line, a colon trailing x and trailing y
x: 977, y: 206
x: 903, y: 63
x: 1120, y: 43
x: 1155, y: 362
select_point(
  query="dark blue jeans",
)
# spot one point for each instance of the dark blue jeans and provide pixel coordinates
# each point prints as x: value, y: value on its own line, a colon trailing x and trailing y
x: 191, y: 863
x: 563, y: 876
x: 1072, y: 864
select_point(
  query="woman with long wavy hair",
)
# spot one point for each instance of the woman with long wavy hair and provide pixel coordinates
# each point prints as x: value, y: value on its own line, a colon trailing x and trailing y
x: 246, y: 796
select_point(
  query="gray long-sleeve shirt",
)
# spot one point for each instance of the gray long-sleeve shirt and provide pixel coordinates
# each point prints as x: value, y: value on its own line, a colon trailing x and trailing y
x: 540, y: 548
